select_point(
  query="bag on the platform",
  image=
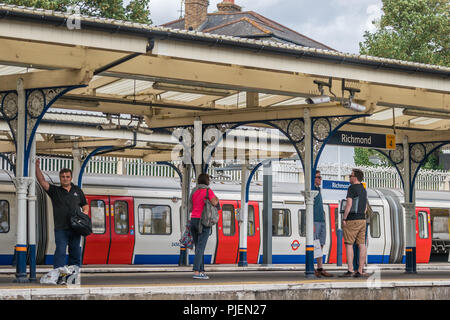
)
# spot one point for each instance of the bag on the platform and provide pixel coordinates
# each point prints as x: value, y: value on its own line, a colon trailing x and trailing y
x: 50, y: 277
x: 62, y: 275
x: 187, y: 240
x: 210, y: 214
x: 80, y: 223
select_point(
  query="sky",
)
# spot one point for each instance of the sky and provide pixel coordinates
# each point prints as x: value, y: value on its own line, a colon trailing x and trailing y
x: 339, y: 24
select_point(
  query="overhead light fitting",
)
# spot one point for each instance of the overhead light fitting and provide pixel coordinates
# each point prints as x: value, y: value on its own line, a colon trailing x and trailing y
x: 350, y: 104
x: 415, y: 108
x: 322, y: 98
x: 191, y: 89
x: 427, y: 114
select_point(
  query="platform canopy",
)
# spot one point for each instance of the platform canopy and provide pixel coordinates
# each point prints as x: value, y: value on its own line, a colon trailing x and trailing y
x: 164, y: 78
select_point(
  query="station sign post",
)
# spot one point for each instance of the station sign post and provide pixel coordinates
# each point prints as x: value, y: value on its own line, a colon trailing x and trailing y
x: 332, y: 189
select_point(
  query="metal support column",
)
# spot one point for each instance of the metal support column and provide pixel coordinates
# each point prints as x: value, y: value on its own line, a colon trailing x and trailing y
x: 309, y: 197
x: 21, y: 183
x: 198, y: 148
x: 243, y: 218
x: 184, y: 218
x: 267, y: 213
x: 77, y: 162
x: 32, y: 213
x: 410, y: 211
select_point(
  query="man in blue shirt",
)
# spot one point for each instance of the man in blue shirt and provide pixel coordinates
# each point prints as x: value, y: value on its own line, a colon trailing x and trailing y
x: 319, y: 224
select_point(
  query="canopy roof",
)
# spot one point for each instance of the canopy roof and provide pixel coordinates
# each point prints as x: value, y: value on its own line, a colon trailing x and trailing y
x: 172, y: 77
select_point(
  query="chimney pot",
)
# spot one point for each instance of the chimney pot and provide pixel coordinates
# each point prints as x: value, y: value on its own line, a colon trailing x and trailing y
x: 228, y: 6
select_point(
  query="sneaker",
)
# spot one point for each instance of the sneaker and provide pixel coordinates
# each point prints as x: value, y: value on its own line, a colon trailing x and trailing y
x: 201, y: 276
x: 348, y: 274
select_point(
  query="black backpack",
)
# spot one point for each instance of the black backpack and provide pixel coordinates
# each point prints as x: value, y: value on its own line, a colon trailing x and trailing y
x: 80, y: 223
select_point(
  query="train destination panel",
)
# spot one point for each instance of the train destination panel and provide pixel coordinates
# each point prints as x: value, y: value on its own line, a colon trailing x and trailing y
x: 363, y: 139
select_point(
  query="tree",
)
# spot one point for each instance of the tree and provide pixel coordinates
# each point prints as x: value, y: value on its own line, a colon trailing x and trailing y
x: 411, y: 30
x: 136, y: 10
x: 362, y: 155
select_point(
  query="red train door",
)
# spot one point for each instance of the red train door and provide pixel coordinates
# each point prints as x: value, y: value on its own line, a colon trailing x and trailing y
x: 122, y: 230
x: 423, y: 236
x: 334, y: 212
x: 112, y: 238
x: 253, y: 233
x: 227, y: 234
x: 96, y: 245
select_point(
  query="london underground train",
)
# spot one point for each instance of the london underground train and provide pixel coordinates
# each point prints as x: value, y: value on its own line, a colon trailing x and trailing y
x: 136, y: 220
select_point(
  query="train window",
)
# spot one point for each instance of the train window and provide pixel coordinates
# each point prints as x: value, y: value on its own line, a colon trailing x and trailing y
x: 251, y: 221
x: 281, y: 222
x: 229, y: 220
x: 154, y: 219
x: 302, y: 222
x: 4, y: 216
x: 375, y: 230
x: 98, y: 216
x: 423, y: 225
x: 121, y: 217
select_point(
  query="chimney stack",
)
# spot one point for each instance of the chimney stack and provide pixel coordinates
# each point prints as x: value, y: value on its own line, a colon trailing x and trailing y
x: 228, y: 6
x: 195, y: 13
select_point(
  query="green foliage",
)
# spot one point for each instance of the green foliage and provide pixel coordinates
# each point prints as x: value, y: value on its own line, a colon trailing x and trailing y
x: 433, y: 162
x: 411, y: 30
x: 362, y: 155
x: 136, y: 10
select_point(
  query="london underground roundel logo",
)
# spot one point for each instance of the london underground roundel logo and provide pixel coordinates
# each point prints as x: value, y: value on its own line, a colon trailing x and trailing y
x: 295, y: 245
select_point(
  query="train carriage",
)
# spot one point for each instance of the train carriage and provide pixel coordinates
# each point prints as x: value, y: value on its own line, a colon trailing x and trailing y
x: 136, y: 220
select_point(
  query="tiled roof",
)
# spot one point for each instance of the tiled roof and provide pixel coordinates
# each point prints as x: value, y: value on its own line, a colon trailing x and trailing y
x: 250, y: 24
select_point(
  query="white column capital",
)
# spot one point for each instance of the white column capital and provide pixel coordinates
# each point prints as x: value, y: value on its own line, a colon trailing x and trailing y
x: 310, y: 195
x: 22, y: 182
x: 410, y: 210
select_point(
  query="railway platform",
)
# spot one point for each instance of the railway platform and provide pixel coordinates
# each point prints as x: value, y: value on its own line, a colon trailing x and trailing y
x: 230, y: 282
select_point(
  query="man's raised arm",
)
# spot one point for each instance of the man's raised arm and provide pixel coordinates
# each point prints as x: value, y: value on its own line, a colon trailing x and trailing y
x: 40, y: 176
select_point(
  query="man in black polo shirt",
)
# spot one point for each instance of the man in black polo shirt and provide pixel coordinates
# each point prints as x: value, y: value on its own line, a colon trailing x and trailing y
x: 354, y: 223
x: 65, y: 199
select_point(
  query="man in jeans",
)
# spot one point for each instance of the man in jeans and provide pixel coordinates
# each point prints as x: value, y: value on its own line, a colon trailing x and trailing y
x: 319, y: 225
x: 354, y: 223
x: 65, y: 199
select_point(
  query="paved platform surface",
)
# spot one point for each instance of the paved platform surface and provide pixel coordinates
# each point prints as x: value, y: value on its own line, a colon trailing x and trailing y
x: 231, y: 282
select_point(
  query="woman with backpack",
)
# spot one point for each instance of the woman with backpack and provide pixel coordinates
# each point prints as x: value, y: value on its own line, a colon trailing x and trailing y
x: 200, y: 233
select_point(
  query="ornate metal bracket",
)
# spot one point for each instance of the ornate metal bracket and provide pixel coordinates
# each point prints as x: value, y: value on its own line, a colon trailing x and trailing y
x: 37, y: 102
x: 419, y: 152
